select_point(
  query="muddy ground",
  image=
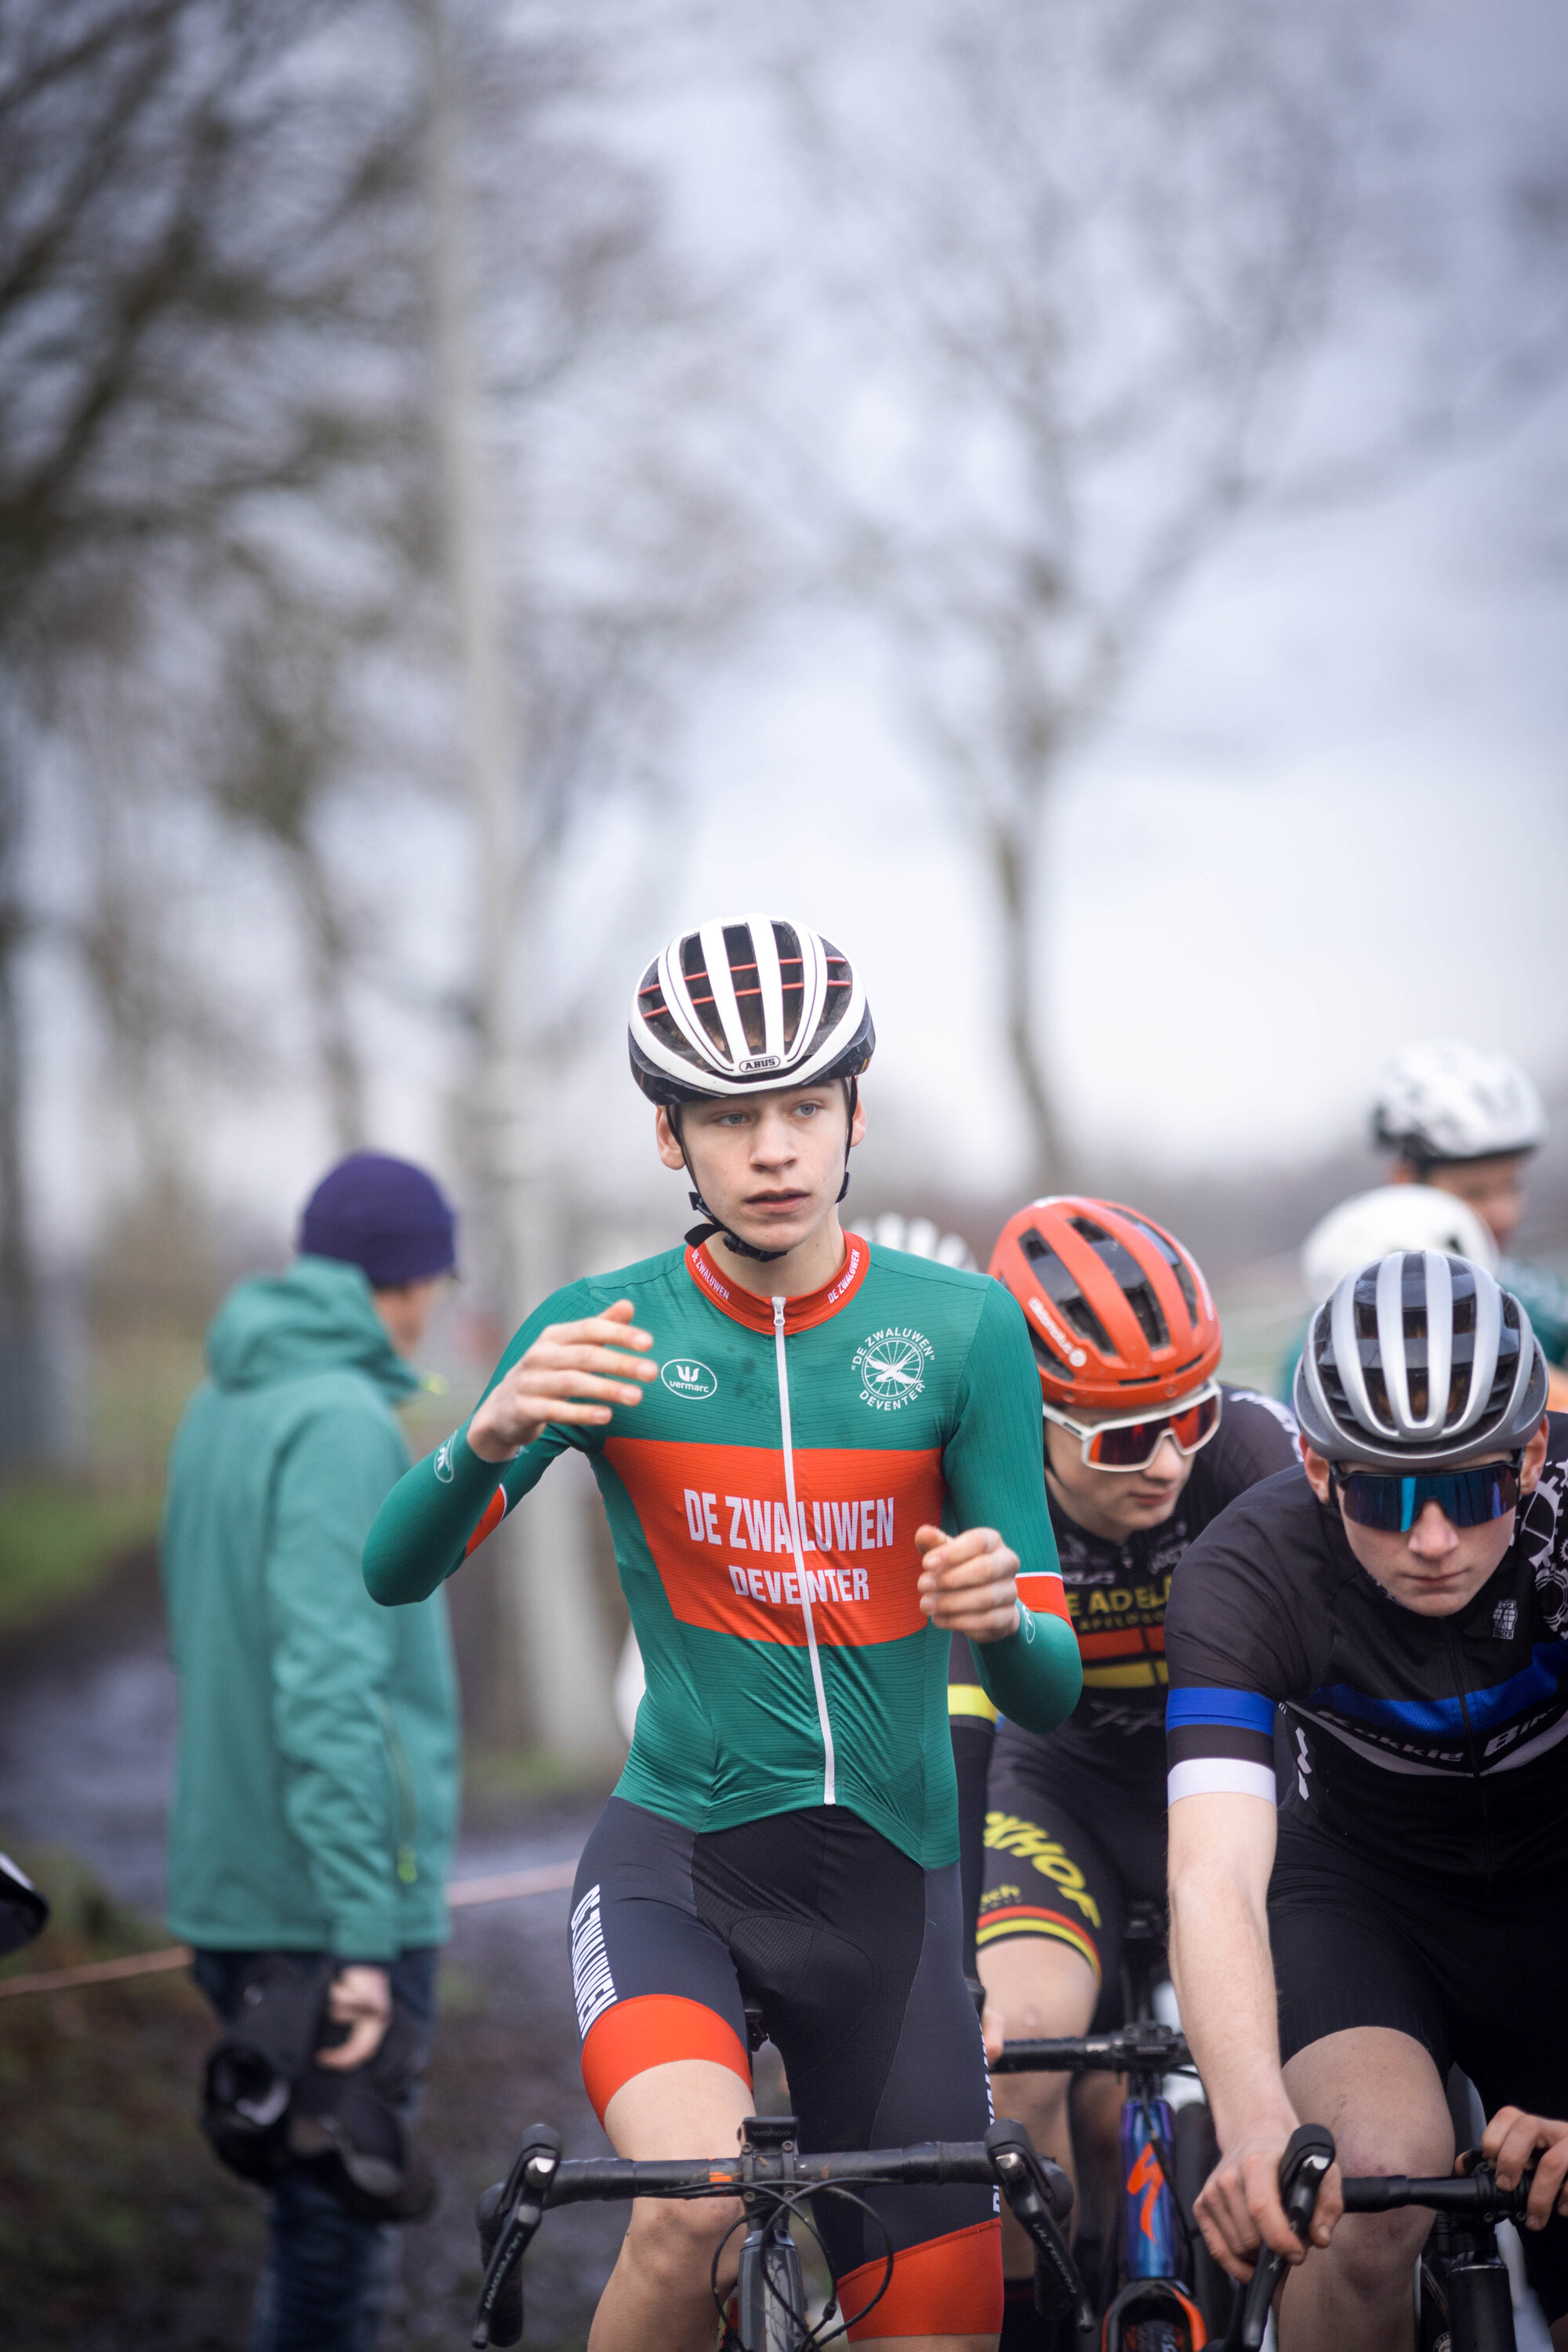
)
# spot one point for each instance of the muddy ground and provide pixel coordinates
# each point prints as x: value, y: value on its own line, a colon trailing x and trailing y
x: 117, y: 2230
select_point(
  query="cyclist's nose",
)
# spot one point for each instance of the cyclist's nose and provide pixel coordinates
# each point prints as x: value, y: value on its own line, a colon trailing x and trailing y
x: 1434, y: 1534
x: 1166, y: 1462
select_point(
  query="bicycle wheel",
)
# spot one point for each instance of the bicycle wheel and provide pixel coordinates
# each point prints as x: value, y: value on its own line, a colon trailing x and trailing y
x: 1196, y: 2154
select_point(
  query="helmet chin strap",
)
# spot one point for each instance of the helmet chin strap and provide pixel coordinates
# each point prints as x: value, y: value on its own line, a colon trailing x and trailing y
x: 705, y: 1232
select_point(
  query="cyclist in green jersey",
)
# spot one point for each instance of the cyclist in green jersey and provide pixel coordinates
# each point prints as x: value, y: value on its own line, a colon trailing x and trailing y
x: 833, y: 1466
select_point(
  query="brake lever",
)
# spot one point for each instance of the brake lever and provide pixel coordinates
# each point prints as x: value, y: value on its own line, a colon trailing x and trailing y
x: 1040, y: 2195
x: 1309, y: 2153
x: 507, y: 2215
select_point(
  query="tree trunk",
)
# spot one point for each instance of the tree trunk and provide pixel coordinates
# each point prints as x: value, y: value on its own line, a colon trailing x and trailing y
x: 1013, y: 867
x: 327, y: 958
x: 550, y: 1615
x: 25, y: 1390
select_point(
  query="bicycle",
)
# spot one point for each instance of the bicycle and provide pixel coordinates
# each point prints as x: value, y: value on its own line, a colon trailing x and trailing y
x: 766, y: 2310
x: 1162, y: 2290
x: 1464, y: 2303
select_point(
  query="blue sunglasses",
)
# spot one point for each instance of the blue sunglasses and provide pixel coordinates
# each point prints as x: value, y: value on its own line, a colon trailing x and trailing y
x: 1467, y: 1498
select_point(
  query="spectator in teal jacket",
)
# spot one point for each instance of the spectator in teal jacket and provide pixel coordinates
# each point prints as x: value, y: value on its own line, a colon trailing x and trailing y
x: 316, y: 1787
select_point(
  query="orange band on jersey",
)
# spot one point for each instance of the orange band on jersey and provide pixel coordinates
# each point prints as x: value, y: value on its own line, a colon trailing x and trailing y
x: 718, y: 1525
x: 495, y: 1512
x: 948, y: 2286
x: 1135, y: 1643
x: 656, y: 2029
x: 1026, y: 1919
x: 1046, y: 1594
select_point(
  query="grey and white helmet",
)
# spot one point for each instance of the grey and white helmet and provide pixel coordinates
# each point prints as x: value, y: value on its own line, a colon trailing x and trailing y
x: 744, y: 1005
x: 1449, y: 1101
x: 1419, y: 1362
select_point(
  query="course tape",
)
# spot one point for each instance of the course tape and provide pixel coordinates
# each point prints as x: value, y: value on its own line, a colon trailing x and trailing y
x: 506, y: 1887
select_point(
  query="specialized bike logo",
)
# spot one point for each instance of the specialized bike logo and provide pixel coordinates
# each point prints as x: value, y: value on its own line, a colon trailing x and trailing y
x: 891, y: 1367
x: 684, y: 1376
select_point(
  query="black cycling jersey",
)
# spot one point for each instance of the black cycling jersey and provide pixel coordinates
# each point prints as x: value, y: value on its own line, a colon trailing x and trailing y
x: 1072, y: 1827
x: 1117, y: 1591
x: 1438, y: 1744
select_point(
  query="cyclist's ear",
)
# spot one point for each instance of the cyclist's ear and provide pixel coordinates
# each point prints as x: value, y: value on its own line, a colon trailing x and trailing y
x: 1317, y: 1470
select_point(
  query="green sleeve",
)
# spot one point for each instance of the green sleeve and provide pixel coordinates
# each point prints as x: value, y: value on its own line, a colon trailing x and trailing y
x: 330, y: 1656
x: 992, y: 1464
x: 424, y: 1528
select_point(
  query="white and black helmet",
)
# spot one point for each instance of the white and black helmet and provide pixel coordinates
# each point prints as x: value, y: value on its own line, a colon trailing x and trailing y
x: 1419, y: 1362
x: 744, y: 1005
x: 1449, y: 1101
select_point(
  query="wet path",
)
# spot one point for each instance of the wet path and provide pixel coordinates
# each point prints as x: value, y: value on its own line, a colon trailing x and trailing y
x: 87, y: 1743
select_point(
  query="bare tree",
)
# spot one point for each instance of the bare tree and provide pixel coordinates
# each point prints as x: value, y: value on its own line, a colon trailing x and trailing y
x: 209, y: 293
x: 1083, y: 254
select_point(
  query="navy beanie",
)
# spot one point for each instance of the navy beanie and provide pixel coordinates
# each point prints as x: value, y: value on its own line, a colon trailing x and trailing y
x: 383, y: 1214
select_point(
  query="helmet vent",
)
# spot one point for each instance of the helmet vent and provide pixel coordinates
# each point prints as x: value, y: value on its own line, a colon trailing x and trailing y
x: 1051, y: 1361
x: 792, y: 981
x: 741, y: 957
x: 1174, y: 1259
x: 694, y: 970
x: 657, y: 1014
x: 835, y: 996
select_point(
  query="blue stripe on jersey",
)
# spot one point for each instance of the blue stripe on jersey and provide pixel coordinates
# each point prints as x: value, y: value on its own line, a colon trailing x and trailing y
x: 1445, y: 1718
x: 1245, y: 1710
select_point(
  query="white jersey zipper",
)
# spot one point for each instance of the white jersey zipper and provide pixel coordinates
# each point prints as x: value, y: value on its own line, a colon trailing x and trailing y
x: 828, y: 1770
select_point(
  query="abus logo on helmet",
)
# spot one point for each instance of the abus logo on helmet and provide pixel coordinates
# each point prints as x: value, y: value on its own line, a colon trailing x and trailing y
x: 892, y: 1366
x: 760, y: 1062
x: 684, y: 1376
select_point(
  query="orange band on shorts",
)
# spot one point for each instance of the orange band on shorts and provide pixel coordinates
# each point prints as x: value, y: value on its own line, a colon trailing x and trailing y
x: 948, y: 2286
x: 655, y: 2029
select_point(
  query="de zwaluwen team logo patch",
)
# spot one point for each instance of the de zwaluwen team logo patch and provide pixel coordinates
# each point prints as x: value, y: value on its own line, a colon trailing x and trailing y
x: 891, y: 1366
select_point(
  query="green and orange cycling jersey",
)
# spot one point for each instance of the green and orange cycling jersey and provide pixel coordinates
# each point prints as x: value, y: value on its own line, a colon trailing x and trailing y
x: 763, y: 1498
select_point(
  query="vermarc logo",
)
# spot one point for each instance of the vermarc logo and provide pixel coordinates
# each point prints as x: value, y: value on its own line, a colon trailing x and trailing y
x: 684, y: 1376
x: 891, y: 1366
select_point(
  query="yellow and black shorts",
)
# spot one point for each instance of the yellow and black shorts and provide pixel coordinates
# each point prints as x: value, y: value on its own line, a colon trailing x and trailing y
x: 1067, y: 1848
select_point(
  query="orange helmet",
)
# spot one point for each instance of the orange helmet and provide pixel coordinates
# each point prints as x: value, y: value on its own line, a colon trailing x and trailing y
x: 1119, y: 1314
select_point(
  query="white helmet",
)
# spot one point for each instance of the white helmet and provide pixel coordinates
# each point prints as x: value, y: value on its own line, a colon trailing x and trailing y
x: 919, y: 1238
x: 1449, y: 1101
x: 1419, y: 1362
x: 1395, y: 1217
x: 739, y: 1005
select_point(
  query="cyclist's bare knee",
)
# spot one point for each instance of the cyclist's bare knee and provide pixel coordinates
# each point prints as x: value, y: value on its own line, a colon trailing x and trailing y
x: 1042, y: 1988
x: 671, y: 2242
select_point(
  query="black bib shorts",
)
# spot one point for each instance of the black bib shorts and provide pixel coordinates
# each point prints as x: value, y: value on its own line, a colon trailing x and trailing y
x: 856, y: 1956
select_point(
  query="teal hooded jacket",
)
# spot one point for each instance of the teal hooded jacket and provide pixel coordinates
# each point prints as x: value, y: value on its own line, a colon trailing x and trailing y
x: 316, y: 1787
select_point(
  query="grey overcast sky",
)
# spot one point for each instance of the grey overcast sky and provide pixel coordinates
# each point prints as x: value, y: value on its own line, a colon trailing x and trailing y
x: 1332, y: 815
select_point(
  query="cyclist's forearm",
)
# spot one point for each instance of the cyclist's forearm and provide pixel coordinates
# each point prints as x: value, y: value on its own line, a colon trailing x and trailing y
x: 423, y: 1529
x: 1035, y: 1676
x: 1224, y: 1975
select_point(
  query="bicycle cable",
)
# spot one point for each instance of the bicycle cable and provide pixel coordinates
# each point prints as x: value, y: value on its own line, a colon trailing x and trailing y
x: 812, y: 2338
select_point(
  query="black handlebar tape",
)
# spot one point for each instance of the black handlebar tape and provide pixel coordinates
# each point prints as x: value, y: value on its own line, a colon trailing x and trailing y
x: 1309, y: 2153
x: 513, y: 2212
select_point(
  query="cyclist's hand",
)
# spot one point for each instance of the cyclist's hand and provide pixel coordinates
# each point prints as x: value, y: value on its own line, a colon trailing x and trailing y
x: 1512, y: 2138
x: 969, y: 1583
x: 361, y: 1999
x: 1238, y: 2204
x: 573, y: 1372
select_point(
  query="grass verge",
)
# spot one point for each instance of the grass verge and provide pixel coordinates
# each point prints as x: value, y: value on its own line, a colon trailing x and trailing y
x: 57, y: 1541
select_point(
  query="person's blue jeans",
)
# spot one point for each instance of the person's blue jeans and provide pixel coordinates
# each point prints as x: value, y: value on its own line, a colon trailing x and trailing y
x: 328, y: 2274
